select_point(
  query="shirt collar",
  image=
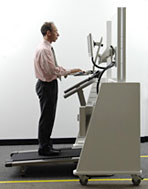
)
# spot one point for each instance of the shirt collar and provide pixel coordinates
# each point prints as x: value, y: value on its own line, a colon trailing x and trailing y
x: 47, y: 42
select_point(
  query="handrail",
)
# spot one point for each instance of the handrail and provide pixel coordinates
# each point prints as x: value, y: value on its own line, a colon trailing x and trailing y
x: 78, y: 88
x: 96, y: 74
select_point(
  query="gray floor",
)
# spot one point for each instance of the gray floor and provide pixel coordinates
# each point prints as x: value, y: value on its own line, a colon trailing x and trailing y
x: 56, y: 174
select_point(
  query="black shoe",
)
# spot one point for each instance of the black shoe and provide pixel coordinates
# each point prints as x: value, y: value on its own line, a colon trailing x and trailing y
x: 48, y: 152
x: 56, y: 150
x: 51, y: 147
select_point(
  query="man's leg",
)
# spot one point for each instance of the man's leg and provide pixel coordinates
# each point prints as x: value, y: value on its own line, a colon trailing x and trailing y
x: 47, y: 93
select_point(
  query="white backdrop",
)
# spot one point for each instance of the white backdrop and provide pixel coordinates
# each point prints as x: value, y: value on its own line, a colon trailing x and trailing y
x: 19, y: 37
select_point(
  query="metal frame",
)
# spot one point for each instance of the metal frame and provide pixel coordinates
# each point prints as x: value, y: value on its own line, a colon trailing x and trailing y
x: 121, y: 45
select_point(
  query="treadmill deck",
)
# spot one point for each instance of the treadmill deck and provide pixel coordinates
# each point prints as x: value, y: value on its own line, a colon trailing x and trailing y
x: 32, y: 157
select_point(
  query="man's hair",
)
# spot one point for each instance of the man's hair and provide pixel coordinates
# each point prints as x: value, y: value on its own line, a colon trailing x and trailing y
x: 47, y: 26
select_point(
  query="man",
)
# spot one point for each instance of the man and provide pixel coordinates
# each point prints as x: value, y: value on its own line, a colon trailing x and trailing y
x: 47, y: 71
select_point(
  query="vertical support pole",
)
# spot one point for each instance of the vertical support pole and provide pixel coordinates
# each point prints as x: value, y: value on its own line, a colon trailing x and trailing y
x: 121, y: 44
x: 81, y: 97
x: 108, y: 43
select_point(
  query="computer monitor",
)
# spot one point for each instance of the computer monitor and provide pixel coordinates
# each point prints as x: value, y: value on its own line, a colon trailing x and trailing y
x: 90, y: 45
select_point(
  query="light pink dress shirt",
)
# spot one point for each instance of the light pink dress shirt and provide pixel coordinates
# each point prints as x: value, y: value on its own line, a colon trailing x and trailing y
x: 44, y: 63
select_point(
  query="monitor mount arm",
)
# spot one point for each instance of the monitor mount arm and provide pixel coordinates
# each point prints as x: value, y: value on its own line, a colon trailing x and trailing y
x: 109, y: 52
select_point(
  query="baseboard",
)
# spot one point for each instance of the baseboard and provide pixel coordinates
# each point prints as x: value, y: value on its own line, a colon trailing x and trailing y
x: 54, y: 141
x: 144, y: 139
x: 35, y: 141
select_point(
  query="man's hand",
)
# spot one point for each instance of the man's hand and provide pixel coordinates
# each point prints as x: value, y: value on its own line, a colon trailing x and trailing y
x: 72, y: 71
x: 75, y: 70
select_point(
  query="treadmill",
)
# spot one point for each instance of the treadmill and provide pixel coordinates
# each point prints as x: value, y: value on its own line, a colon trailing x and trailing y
x: 31, y: 157
x: 71, y: 154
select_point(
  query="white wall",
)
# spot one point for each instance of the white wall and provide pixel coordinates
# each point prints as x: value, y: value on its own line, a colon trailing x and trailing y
x: 19, y: 37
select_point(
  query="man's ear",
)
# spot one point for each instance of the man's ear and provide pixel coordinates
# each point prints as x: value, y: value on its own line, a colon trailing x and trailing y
x: 48, y: 33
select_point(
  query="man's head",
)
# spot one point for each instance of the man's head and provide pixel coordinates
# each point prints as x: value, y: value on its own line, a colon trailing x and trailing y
x: 49, y: 31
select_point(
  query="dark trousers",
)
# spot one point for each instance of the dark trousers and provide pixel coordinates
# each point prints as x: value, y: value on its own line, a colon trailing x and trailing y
x: 47, y: 93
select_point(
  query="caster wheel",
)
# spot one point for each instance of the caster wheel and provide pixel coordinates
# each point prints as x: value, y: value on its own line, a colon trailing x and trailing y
x: 83, y: 180
x: 136, y: 180
x: 23, y: 170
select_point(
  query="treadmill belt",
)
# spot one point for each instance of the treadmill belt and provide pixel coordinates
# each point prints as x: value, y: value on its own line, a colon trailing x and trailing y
x: 65, y: 153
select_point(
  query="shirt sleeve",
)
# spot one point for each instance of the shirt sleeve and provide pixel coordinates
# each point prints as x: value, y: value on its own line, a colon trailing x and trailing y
x: 47, y: 64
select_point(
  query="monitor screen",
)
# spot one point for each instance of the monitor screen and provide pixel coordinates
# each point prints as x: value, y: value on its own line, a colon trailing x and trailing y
x: 90, y: 45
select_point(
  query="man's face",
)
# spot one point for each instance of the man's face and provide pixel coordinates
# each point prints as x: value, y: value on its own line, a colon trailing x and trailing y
x: 53, y: 35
